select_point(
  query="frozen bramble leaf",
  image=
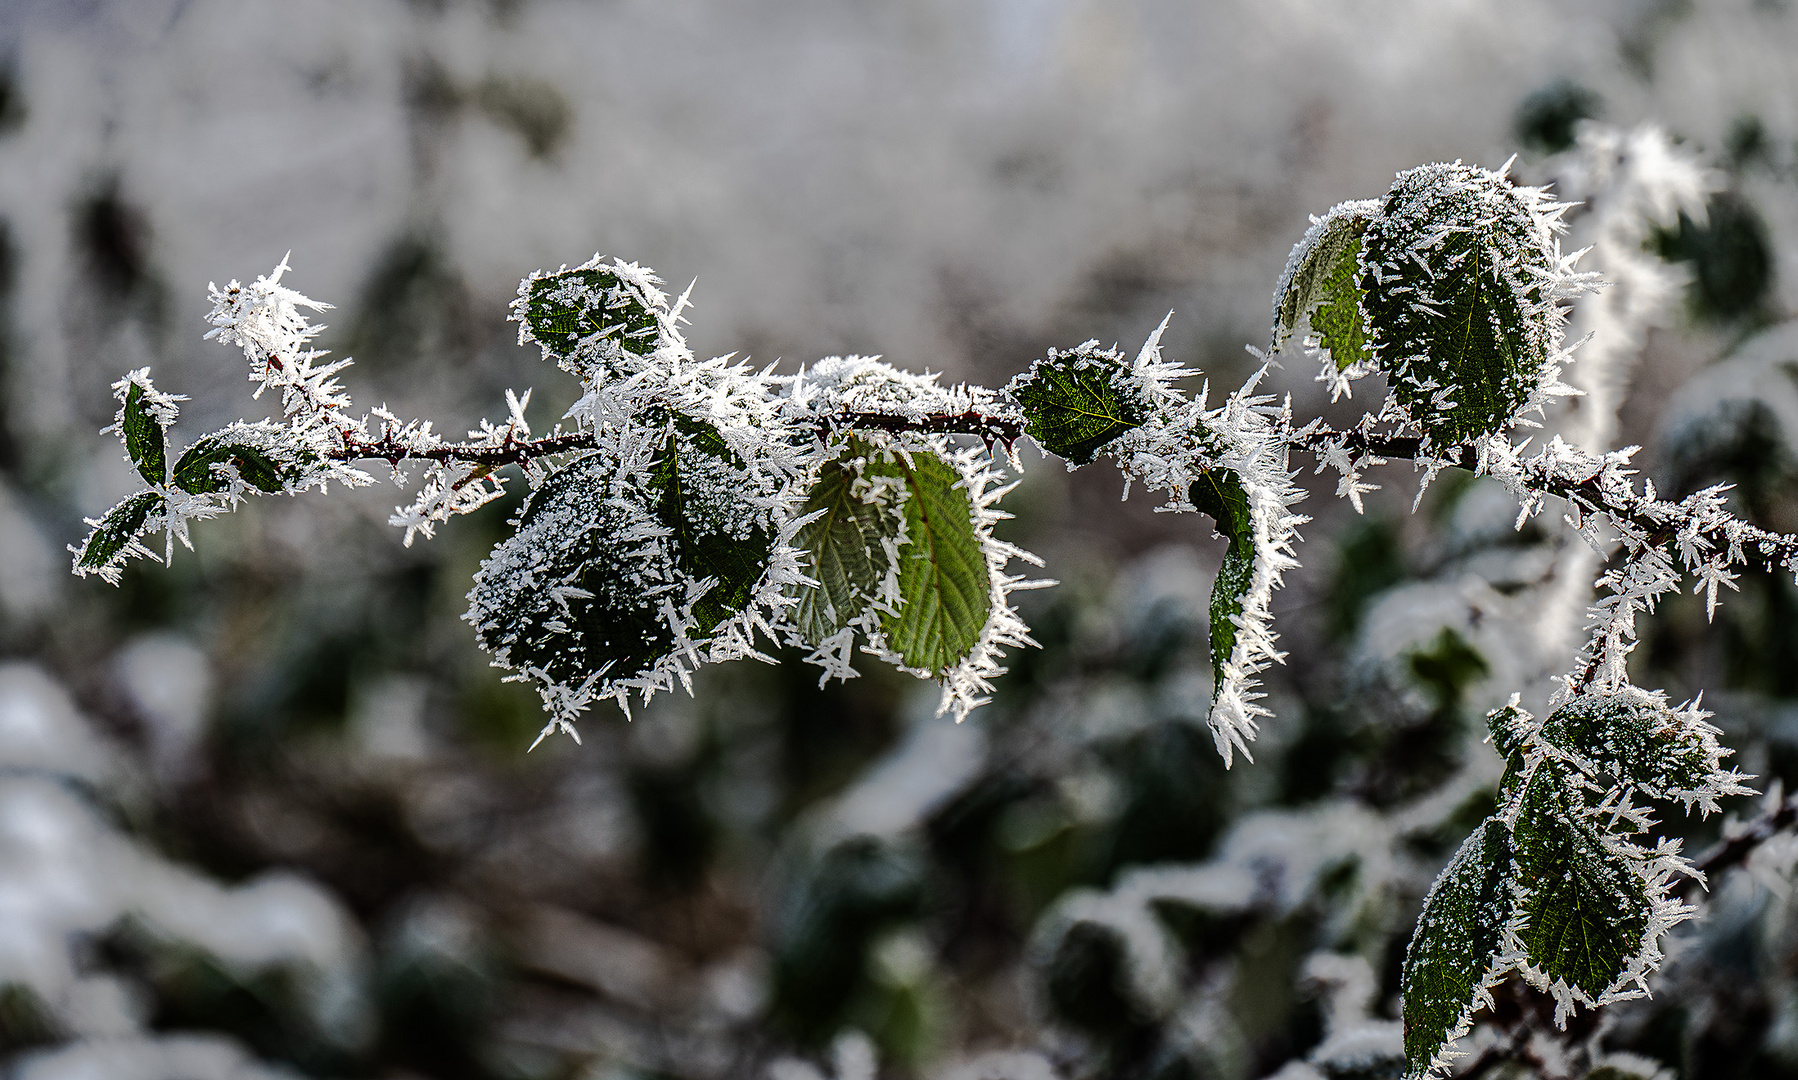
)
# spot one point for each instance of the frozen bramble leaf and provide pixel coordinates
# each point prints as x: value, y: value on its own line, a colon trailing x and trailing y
x: 595, y: 318
x: 1219, y: 493
x: 846, y: 545
x: 944, y: 590
x: 1460, y: 297
x: 1076, y: 402
x: 1322, y: 282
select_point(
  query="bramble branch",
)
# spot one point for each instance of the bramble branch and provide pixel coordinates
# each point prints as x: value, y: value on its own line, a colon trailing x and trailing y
x: 388, y: 448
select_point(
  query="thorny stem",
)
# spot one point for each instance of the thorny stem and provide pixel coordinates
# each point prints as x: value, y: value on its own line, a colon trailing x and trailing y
x: 989, y: 427
x: 1655, y: 519
x: 391, y: 450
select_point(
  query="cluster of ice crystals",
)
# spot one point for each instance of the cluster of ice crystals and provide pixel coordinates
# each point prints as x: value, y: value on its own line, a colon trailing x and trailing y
x: 267, y: 319
x: 452, y: 487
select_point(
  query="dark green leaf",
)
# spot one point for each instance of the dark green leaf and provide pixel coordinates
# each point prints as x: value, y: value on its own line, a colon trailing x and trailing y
x: 1451, y: 299
x: 1586, y: 910
x: 121, y: 525
x: 945, y: 594
x: 144, y: 437
x: 844, y: 545
x: 700, y: 479
x: 571, y: 535
x: 194, y: 472
x: 1457, y: 937
x: 1076, y: 402
x: 1632, y: 737
x: 564, y: 309
x: 1219, y: 493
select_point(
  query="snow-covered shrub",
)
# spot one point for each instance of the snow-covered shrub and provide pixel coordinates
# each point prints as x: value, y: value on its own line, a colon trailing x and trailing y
x: 690, y: 511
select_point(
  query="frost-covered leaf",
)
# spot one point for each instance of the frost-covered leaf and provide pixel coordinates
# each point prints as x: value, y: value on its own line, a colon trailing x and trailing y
x: 1322, y: 281
x: 945, y: 594
x: 122, y: 524
x: 1075, y: 402
x: 194, y: 472
x: 718, y: 533
x: 1585, y: 909
x: 844, y: 545
x: 609, y: 570
x: 1219, y: 493
x: 144, y: 437
x: 578, y: 588
x: 592, y: 315
x: 1631, y: 736
x: 1449, y: 962
x: 1458, y: 262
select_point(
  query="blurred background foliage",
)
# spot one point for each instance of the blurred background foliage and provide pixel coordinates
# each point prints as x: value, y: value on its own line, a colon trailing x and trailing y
x: 267, y: 812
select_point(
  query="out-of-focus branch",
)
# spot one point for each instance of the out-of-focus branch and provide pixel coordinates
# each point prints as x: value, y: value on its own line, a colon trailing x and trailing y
x: 1734, y: 850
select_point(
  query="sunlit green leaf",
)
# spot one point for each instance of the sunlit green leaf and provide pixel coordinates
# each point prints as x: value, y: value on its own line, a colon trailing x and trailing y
x: 945, y: 594
x: 844, y: 544
x: 1322, y: 281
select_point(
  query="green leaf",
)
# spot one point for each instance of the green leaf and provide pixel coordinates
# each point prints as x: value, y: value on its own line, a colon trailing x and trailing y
x: 1456, y: 940
x: 701, y: 483
x: 194, y: 469
x: 1219, y: 493
x: 564, y: 310
x: 944, y: 591
x: 1631, y: 736
x: 573, y: 534
x: 1076, y: 402
x: 1586, y: 910
x: 121, y: 525
x: 1323, y: 272
x: 1338, y: 320
x: 144, y: 437
x: 1452, y: 300
x: 844, y: 546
